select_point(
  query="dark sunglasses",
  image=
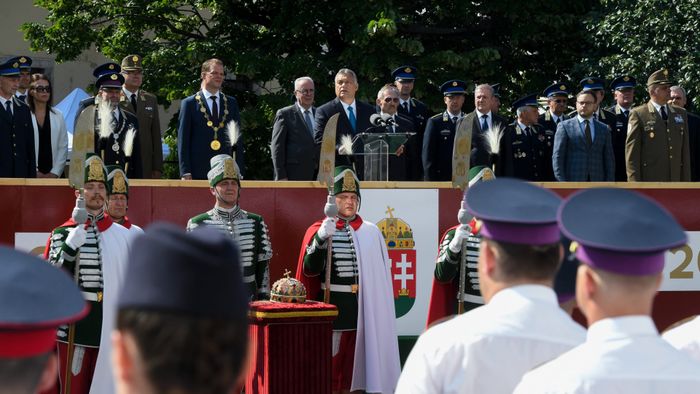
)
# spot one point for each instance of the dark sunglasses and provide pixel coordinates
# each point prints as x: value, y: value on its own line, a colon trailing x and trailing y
x: 43, y: 89
x: 390, y: 99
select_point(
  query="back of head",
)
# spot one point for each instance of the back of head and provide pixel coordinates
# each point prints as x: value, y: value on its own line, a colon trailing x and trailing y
x: 185, y: 307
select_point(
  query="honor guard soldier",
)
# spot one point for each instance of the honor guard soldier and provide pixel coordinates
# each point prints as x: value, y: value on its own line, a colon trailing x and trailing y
x: 118, y: 201
x: 439, y: 136
x: 17, y: 157
x: 247, y: 228
x: 523, y: 152
x: 95, y: 254
x: 557, y: 98
x: 182, y: 324
x: 623, y: 90
x: 454, y: 242
x: 35, y: 299
x: 404, y: 79
x: 657, y: 148
x: 488, y: 349
x: 366, y: 354
x: 622, y: 264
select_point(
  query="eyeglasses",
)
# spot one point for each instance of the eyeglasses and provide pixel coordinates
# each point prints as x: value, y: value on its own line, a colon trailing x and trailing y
x: 390, y: 99
x: 306, y: 91
x: 43, y: 89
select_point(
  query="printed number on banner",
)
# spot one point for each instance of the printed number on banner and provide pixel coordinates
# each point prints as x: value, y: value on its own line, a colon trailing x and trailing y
x: 680, y: 271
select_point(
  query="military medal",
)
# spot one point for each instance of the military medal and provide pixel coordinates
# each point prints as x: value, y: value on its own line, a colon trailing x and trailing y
x: 215, y: 145
x: 115, y: 147
x: 651, y: 135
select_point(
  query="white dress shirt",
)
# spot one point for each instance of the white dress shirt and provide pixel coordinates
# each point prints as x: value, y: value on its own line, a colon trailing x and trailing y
x: 489, y: 118
x: 354, y: 109
x: 686, y: 337
x: 620, y: 355
x: 488, y: 349
x: 208, y: 101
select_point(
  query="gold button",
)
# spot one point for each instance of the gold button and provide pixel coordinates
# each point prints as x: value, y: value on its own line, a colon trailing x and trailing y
x: 670, y: 157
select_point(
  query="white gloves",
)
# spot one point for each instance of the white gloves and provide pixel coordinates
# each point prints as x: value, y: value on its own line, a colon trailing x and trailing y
x: 327, y: 228
x: 343, y: 151
x: 461, y: 234
x: 76, y: 237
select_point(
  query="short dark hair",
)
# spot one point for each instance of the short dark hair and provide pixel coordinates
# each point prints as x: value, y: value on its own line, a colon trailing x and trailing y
x: 586, y: 92
x: 518, y: 261
x: 22, y: 375
x: 183, y: 353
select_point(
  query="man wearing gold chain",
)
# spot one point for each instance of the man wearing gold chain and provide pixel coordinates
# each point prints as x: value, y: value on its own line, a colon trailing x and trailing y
x: 204, y: 118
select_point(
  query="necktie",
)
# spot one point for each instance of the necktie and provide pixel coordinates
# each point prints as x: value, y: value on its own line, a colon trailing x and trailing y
x: 527, y: 131
x: 309, y: 123
x: 405, y: 106
x: 627, y: 113
x: 8, y: 107
x: 484, y: 122
x: 587, y: 131
x: 664, y: 115
x: 133, y: 101
x: 22, y: 97
x: 454, y: 119
x: 558, y: 120
x: 214, y: 110
x: 353, y: 120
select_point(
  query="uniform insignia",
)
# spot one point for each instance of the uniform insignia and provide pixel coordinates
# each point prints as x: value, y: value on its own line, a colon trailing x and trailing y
x: 445, y: 132
x: 407, y: 69
x: 96, y: 172
x: 589, y: 80
x: 15, y: 65
x: 651, y: 134
x: 23, y: 59
x: 454, y: 83
x: 562, y: 87
x: 111, y: 67
x: 135, y: 58
x: 666, y: 73
x: 114, y: 77
x: 626, y: 78
x: 229, y: 169
x: 119, y: 184
x: 349, y: 182
x: 541, y: 138
x: 679, y: 119
x: 517, y: 142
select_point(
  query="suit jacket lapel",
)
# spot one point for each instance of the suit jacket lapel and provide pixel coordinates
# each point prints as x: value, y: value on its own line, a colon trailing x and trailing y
x: 5, y: 115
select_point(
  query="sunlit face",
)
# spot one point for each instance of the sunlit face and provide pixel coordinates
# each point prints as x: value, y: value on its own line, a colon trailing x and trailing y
x: 117, y: 206
x: 557, y: 104
x: 405, y: 87
x: 8, y: 85
x: 110, y: 94
x: 304, y: 92
x: 95, y: 194
x: 226, y: 193
x: 661, y: 94
x: 345, y: 87
x: 677, y: 98
x: 214, y: 78
x: 529, y: 115
x: 585, y: 105
x: 483, y: 100
x: 454, y: 103
x: 133, y: 79
x: 624, y: 97
x: 389, y: 102
x: 347, y: 204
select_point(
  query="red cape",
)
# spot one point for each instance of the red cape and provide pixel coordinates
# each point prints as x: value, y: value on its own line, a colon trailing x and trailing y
x: 102, y: 225
x: 313, y: 283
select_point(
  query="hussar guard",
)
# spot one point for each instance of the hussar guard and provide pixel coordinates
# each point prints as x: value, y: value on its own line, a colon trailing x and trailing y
x: 118, y: 203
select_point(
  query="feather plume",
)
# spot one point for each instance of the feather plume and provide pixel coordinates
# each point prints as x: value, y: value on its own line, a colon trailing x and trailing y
x: 128, y: 146
x: 346, y: 145
x: 493, y: 138
x: 233, y: 132
x: 105, y: 113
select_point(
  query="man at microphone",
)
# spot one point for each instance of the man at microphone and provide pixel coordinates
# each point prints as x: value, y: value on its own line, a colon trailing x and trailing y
x: 390, y: 121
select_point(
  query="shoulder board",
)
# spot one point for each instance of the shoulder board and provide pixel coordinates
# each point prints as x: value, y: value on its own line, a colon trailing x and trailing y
x: 437, y: 116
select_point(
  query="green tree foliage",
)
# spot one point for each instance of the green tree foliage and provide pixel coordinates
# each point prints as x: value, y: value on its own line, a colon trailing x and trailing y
x: 639, y: 37
x: 522, y: 45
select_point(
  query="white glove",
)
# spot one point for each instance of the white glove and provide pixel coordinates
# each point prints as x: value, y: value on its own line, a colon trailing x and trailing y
x: 327, y: 228
x: 76, y: 237
x: 342, y: 150
x: 461, y: 234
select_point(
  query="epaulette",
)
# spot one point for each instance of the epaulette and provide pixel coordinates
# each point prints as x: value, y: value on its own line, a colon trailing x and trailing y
x: 436, y: 116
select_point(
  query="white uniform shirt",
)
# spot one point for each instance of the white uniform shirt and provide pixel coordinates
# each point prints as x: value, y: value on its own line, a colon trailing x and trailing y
x: 686, y: 337
x: 488, y: 349
x: 620, y: 355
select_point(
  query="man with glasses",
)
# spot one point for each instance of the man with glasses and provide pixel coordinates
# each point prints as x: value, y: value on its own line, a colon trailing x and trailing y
x: 145, y: 106
x: 557, y: 98
x: 680, y: 99
x: 657, y: 148
x: 294, y: 153
x: 583, y: 146
x: 401, y: 159
x: 623, y: 90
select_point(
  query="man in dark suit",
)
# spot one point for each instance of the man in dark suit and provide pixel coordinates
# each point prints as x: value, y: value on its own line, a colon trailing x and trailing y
x: 557, y: 98
x: 657, y: 147
x: 110, y: 145
x: 400, y: 160
x: 353, y: 119
x: 294, y: 153
x: 680, y: 99
x: 17, y: 158
x: 145, y: 106
x: 522, y: 152
x: 439, y: 138
x: 404, y: 78
x: 623, y: 91
x: 583, y: 146
x: 204, y: 118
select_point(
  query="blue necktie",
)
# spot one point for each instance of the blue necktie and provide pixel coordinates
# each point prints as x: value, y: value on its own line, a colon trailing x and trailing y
x: 351, y: 117
x: 309, y: 124
x: 484, y: 123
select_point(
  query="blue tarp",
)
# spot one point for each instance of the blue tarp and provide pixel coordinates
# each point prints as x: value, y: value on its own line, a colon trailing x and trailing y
x: 69, y: 107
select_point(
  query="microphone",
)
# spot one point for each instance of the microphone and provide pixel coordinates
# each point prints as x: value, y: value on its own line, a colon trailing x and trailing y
x: 377, y: 120
x: 388, y: 119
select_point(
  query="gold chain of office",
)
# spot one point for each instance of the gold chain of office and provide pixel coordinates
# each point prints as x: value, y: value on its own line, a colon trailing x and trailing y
x: 215, y: 144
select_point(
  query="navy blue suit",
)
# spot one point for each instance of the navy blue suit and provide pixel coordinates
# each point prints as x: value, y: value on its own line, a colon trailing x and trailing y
x: 619, y: 139
x: 17, y: 159
x: 194, y: 137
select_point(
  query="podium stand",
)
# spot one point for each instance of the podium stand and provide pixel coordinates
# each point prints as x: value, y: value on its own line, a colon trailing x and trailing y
x: 291, y: 347
x: 377, y: 149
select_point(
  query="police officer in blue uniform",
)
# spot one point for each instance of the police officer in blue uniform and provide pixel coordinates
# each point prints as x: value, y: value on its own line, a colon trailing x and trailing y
x: 440, y: 133
x: 623, y: 89
x: 17, y: 159
x: 557, y: 98
x: 404, y: 79
x: 523, y: 148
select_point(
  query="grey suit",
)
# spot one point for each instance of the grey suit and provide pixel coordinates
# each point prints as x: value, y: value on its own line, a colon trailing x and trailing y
x: 294, y: 153
x: 574, y: 161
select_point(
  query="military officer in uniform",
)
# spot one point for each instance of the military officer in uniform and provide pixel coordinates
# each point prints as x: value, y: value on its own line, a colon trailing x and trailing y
x: 118, y: 200
x: 365, y: 350
x: 248, y: 228
x: 25, y: 75
x: 523, y: 151
x: 597, y: 86
x: 622, y: 264
x: 657, y: 147
x: 623, y: 90
x: 145, y: 106
x: 417, y: 111
x: 557, y: 98
x: 439, y: 137
x: 17, y: 157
